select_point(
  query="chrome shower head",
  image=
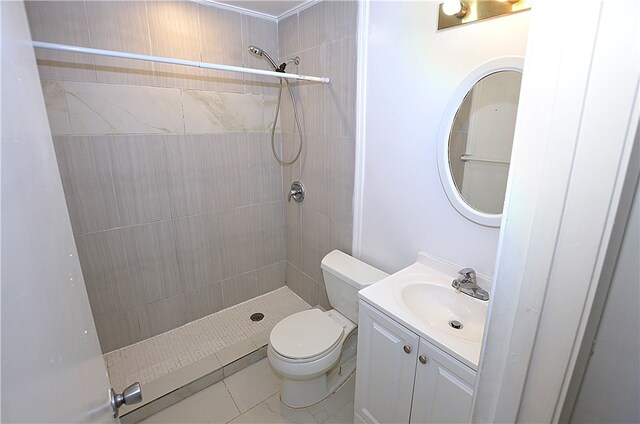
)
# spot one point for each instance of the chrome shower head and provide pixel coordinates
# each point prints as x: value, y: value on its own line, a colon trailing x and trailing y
x: 256, y: 50
x: 259, y: 52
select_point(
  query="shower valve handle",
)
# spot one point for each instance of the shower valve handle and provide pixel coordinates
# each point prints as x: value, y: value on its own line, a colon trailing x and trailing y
x: 297, y: 192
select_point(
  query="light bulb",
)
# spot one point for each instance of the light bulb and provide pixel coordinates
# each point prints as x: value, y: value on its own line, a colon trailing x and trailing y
x: 454, y: 8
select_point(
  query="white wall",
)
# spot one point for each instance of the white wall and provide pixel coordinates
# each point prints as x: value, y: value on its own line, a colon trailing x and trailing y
x: 412, y: 71
x: 611, y: 386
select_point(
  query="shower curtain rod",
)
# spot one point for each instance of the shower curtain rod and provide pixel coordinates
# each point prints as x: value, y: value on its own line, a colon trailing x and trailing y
x: 204, y: 65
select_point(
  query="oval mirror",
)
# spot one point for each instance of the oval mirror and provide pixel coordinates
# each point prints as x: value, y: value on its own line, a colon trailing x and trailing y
x: 476, y: 139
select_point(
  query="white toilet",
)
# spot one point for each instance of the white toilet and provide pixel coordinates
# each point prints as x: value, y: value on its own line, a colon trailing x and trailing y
x: 315, y: 351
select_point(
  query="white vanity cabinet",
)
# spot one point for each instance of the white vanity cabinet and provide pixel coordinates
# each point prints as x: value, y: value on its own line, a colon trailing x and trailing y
x: 402, y: 378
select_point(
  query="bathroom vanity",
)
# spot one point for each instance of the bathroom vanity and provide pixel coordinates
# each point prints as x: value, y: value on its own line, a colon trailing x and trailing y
x: 414, y: 364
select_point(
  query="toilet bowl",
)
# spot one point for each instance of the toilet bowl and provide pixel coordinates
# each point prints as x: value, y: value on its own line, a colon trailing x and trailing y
x: 314, y: 351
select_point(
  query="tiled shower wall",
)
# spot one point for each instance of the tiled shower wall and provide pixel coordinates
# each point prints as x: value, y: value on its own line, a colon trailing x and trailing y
x: 174, y: 198
x: 324, y: 36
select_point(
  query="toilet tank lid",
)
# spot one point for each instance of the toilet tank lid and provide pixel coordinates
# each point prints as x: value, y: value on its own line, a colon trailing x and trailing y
x: 352, y: 270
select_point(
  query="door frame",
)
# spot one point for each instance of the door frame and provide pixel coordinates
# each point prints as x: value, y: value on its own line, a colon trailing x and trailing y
x: 575, y: 169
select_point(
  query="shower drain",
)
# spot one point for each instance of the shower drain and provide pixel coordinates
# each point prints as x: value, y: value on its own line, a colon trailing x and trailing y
x: 257, y: 316
x: 456, y: 325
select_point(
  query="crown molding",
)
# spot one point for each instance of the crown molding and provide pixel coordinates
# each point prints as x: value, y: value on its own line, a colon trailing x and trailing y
x: 297, y: 9
x: 238, y: 9
x: 260, y: 15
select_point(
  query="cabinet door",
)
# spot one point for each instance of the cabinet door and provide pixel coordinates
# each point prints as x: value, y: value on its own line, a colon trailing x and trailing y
x: 443, y: 389
x: 386, y: 364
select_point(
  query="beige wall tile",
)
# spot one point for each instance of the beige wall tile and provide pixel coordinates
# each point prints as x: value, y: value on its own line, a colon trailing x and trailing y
x: 316, y: 242
x: 263, y: 34
x: 192, y: 173
x: 231, y: 164
x: 113, y: 108
x: 212, y: 112
x: 152, y: 262
x: 316, y: 174
x: 302, y: 285
x: 239, y: 288
x: 271, y: 277
x: 324, y: 221
x: 311, y: 26
x: 288, y: 36
x: 340, y: 19
x: 56, y: 105
x: 268, y: 233
x: 140, y: 178
x: 62, y: 22
x: 174, y: 32
x: 286, y: 118
x: 237, y: 251
x: 198, y: 251
x: 265, y: 172
x: 117, y: 330
x: 312, y: 95
x: 86, y: 178
x: 340, y: 171
x: 221, y: 35
x: 162, y: 315
x: 340, y: 97
x: 203, y: 301
x: 269, y: 110
x: 293, y: 233
x: 105, y: 272
x: 341, y: 237
x: 132, y: 36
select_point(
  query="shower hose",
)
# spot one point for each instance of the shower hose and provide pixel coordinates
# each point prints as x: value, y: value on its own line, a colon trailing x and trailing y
x: 273, y: 127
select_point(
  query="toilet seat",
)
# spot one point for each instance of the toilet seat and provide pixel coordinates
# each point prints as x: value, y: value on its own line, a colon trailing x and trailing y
x: 305, y: 335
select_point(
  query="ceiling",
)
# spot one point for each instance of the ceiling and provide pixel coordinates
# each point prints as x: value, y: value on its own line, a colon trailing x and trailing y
x: 272, y: 8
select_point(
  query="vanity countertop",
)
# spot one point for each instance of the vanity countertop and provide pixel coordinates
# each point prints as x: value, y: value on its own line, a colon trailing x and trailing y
x: 430, y: 316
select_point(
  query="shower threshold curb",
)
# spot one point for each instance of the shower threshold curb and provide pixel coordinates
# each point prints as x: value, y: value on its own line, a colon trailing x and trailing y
x: 179, y: 385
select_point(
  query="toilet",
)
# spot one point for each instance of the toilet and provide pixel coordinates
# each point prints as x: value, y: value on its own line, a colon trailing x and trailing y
x: 315, y: 351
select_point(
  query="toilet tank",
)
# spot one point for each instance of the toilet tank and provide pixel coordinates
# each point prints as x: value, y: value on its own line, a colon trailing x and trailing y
x: 344, y: 276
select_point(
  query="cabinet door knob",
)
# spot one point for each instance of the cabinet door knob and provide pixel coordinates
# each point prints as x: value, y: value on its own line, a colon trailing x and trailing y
x: 407, y: 349
x: 422, y: 359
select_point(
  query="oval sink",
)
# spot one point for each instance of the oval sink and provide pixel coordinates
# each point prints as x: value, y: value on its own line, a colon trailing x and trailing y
x: 444, y: 309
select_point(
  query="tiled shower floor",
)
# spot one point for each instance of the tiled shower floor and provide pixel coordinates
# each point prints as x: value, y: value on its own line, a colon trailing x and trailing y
x: 215, y: 334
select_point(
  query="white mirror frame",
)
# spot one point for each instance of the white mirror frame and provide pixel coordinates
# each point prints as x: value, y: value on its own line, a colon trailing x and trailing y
x: 507, y: 63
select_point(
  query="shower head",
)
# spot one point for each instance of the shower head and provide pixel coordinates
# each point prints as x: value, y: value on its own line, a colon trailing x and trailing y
x: 259, y: 52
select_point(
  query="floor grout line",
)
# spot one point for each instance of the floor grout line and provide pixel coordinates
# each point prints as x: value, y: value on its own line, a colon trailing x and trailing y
x: 233, y: 399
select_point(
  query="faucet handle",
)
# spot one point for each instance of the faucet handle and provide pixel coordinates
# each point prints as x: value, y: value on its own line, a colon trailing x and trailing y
x: 468, y: 274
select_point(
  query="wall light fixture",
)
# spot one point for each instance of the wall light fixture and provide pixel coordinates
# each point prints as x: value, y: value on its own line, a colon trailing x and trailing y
x: 456, y: 12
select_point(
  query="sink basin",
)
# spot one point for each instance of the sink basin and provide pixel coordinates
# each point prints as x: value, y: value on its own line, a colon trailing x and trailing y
x: 420, y: 297
x: 444, y: 309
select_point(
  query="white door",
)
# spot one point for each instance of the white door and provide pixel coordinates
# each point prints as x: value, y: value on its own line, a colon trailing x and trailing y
x: 386, y: 365
x: 443, y: 391
x: 52, y: 366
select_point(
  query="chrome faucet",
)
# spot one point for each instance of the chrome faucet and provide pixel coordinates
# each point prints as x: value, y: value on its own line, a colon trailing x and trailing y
x: 466, y: 283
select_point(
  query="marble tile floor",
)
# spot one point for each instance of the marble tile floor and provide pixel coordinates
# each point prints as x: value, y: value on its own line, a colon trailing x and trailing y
x: 252, y: 396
